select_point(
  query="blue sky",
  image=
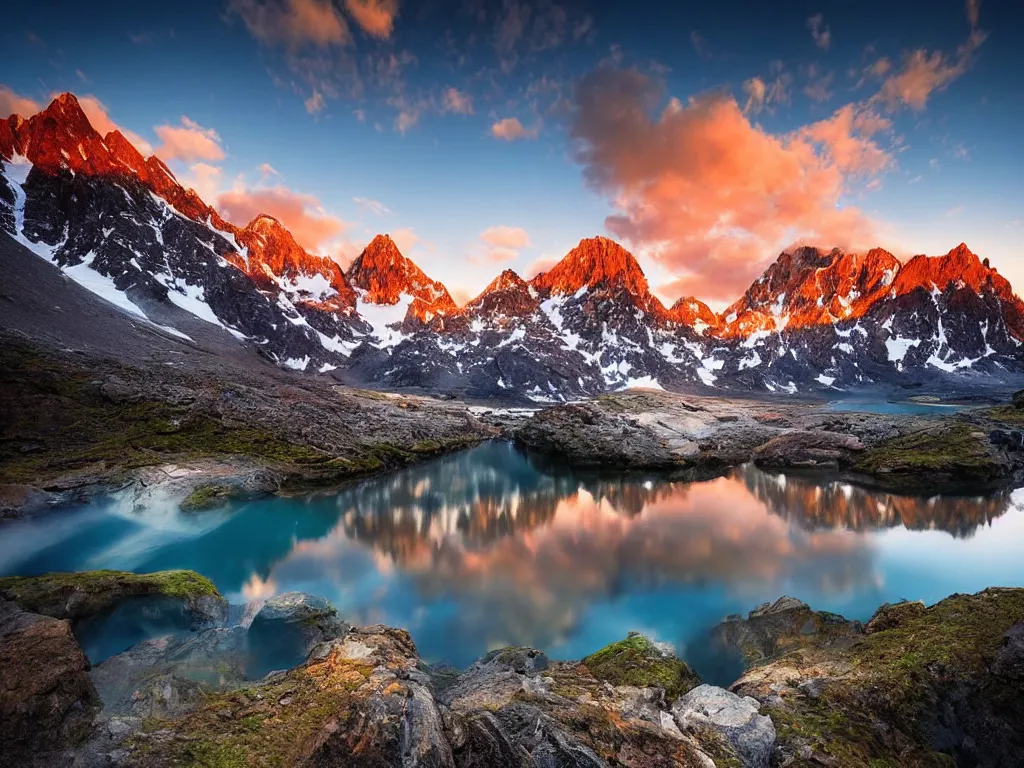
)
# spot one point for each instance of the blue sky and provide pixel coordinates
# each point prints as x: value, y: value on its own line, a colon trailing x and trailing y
x: 354, y: 101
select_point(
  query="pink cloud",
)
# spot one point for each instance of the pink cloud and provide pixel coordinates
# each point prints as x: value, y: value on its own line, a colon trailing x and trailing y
x: 510, y: 129
x: 820, y: 32
x: 375, y: 17
x: 543, y: 264
x: 706, y: 193
x: 303, y: 215
x: 204, y: 179
x: 457, y: 101
x: 293, y: 22
x: 188, y: 142
x: 315, y: 103
x: 505, y: 237
x: 921, y: 73
x: 12, y: 103
x: 405, y: 239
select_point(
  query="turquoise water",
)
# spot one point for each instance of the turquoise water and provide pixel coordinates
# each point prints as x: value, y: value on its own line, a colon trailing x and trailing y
x: 904, y: 407
x: 489, y: 548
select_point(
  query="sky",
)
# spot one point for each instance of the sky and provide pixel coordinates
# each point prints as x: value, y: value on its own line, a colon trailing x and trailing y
x: 491, y: 135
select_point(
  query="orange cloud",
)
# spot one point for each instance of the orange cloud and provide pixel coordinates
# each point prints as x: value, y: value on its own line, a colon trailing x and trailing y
x: 13, y: 104
x: 204, y: 179
x: 922, y: 74
x: 708, y: 194
x: 188, y: 142
x: 293, y: 22
x: 458, y: 102
x: 375, y: 17
x: 510, y: 129
x: 505, y: 237
x: 315, y: 103
x: 405, y: 239
x: 303, y: 215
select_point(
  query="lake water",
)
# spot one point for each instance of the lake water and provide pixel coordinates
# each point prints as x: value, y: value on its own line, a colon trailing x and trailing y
x: 488, y: 548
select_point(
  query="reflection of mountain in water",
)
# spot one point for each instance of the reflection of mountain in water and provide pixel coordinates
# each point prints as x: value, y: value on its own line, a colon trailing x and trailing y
x: 478, y: 496
x: 819, y: 504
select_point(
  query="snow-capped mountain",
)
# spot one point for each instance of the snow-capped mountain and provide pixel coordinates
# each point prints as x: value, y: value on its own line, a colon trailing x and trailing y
x: 122, y: 226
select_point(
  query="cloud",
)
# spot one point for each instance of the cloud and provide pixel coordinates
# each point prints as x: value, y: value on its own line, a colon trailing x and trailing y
x: 12, y: 103
x: 700, y: 46
x: 820, y: 32
x: 303, y: 215
x: 502, y: 244
x: 140, y: 38
x: 374, y: 17
x: 315, y: 103
x: 406, y: 119
x: 817, y: 87
x: 405, y: 239
x: 457, y: 101
x: 543, y: 264
x: 706, y: 193
x: 373, y: 206
x: 505, y: 237
x: 204, y: 179
x: 267, y: 170
x: 97, y: 113
x: 764, y: 95
x: 293, y: 22
x: 510, y: 129
x: 922, y: 73
x: 188, y: 142
x: 973, y: 6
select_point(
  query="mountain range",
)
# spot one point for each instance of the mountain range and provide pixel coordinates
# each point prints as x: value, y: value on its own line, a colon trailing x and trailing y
x: 121, y: 225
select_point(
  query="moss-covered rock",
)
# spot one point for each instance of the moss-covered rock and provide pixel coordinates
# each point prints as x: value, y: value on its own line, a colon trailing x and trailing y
x: 637, y: 661
x: 775, y: 629
x: 933, y: 687
x: 947, y: 456
x: 78, y: 596
x: 206, y: 497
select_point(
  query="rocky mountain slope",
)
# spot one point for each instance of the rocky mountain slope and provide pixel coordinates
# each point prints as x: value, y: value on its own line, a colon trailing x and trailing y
x: 123, y: 227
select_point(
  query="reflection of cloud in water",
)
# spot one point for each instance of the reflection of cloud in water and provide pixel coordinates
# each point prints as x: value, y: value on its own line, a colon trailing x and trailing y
x: 523, y: 566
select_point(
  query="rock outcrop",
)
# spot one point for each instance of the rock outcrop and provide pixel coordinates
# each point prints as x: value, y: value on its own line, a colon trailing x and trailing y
x: 47, y: 701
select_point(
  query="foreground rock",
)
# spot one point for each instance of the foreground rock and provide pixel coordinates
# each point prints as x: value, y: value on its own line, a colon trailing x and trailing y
x: 91, y: 594
x: 775, y: 629
x: 750, y: 733
x: 960, y: 453
x: 923, y: 687
x: 287, y: 627
x: 46, y: 698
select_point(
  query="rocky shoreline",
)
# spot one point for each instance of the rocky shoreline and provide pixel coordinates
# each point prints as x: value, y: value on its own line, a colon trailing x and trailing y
x: 86, y: 425
x: 915, y: 685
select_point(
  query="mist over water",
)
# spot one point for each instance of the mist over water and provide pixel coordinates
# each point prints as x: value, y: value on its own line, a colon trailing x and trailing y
x: 490, y: 547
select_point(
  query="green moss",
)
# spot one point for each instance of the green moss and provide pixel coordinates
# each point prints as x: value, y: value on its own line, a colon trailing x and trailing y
x: 96, y: 591
x: 637, y: 661
x: 896, y: 677
x: 427, y: 446
x: 1007, y: 414
x: 241, y: 728
x: 949, y: 451
x: 206, y: 497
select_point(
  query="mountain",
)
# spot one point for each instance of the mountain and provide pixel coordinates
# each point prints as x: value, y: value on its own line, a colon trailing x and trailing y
x: 385, y: 277
x: 122, y: 226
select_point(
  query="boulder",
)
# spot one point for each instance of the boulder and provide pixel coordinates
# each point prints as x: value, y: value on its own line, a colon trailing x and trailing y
x: 638, y: 661
x: 808, y: 449
x: 91, y: 594
x: 774, y: 629
x: 288, y: 627
x: 46, y: 698
x: 891, y: 615
x: 737, y: 719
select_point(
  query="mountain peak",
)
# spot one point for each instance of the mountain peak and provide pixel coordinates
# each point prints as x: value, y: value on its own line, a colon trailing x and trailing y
x: 693, y: 312
x: 385, y: 276
x: 596, y: 262
x: 960, y: 267
x: 507, y: 295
